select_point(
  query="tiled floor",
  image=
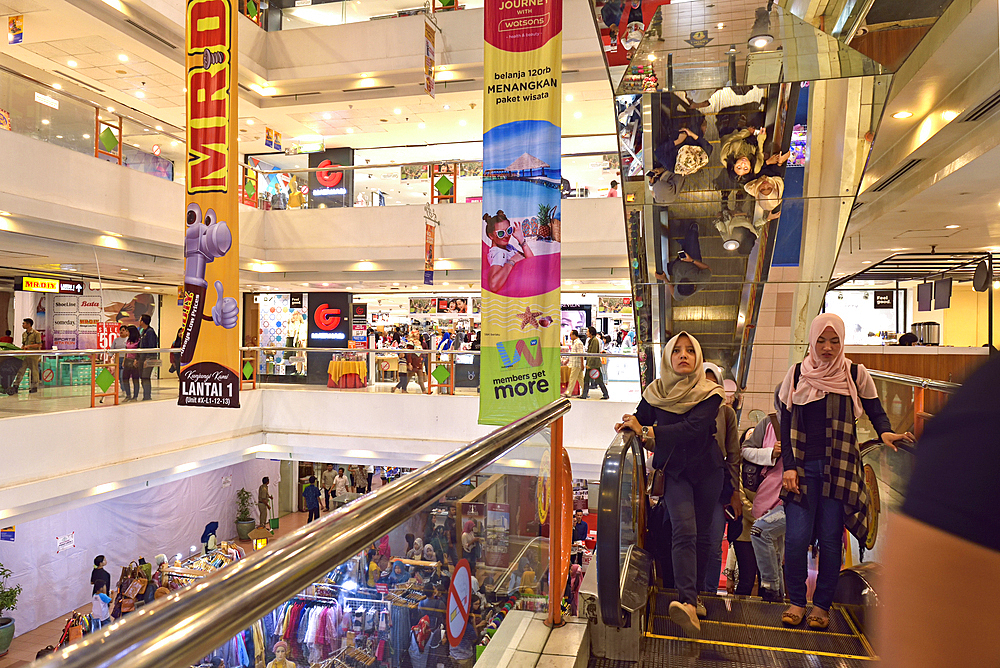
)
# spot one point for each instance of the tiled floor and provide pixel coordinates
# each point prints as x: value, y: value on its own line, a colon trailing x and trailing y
x: 53, y: 400
x: 23, y: 649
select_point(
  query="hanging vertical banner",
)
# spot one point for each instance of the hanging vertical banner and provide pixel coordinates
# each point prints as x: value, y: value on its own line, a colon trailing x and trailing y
x: 428, y: 58
x: 210, y: 354
x: 15, y: 29
x: 521, y: 228
x: 428, y: 254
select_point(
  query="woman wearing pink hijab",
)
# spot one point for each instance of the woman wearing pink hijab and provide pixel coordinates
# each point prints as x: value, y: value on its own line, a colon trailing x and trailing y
x: 823, y: 485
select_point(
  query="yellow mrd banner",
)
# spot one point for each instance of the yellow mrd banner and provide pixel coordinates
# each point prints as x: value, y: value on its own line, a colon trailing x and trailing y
x: 210, y: 355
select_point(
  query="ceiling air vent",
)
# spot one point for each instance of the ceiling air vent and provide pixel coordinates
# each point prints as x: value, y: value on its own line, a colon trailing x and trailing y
x: 857, y: 205
x: 983, y: 108
x: 295, y: 95
x: 365, y: 90
x: 898, y: 174
x: 82, y: 83
x: 150, y: 33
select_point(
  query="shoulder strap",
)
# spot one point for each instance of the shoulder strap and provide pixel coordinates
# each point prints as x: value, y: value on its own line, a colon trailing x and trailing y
x: 854, y: 374
x: 798, y: 373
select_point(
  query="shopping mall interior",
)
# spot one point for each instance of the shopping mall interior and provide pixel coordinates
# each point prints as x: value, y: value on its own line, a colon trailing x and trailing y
x: 737, y: 170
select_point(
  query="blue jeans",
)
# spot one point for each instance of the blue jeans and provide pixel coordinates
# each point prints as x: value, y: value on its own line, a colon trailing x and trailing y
x: 714, y: 568
x: 689, y: 507
x: 820, y: 516
x: 767, y: 536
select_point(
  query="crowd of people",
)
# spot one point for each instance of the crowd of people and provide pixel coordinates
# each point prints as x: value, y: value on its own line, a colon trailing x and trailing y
x: 590, y: 371
x: 789, y: 481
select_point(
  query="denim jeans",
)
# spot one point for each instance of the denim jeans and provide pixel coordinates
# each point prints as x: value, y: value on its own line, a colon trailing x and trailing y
x: 820, y: 516
x: 713, y: 570
x: 768, y: 536
x: 689, y: 507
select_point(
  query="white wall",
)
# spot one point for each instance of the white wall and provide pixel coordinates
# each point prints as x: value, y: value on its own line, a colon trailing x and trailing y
x: 165, y: 519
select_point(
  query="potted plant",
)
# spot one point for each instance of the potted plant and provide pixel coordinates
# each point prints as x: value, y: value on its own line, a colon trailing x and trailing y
x: 8, y: 601
x: 244, y: 515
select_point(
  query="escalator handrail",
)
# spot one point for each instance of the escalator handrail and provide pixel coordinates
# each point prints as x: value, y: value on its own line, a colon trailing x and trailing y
x: 609, y: 525
x: 194, y: 621
x: 916, y: 381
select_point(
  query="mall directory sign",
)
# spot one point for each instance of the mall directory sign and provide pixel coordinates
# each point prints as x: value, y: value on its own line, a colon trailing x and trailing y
x: 522, y: 216
x: 210, y: 354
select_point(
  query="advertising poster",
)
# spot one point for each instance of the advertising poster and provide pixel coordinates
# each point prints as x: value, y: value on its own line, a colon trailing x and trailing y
x: 453, y: 305
x: 497, y: 534
x: 15, y: 29
x: 428, y: 58
x: 8, y: 534
x: 423, y: 305
x: 210, y: 354
x: 272, y: 139
x: 428, y: 253
x: 521, y: 228
x: 4, y: 120
x: 614, y: 305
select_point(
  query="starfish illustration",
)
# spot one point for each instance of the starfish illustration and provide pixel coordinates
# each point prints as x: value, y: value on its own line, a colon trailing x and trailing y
x: 528, y: 317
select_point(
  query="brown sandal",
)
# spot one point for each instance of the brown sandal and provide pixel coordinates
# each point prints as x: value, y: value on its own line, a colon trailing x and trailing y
x: 817, y: 622
x: 790, y: 619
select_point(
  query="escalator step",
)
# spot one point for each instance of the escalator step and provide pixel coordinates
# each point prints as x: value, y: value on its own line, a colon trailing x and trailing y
x: 751, y: 611
x: 662, y: 653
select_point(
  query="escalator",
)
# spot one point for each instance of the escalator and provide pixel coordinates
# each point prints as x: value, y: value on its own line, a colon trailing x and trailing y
x: 630, y: 624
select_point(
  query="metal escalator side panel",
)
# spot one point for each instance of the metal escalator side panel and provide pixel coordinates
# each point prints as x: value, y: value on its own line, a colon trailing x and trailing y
x: 609, y: 534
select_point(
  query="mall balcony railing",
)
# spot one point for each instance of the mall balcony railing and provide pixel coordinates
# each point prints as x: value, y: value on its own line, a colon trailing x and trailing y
x: 40, y: 111
x: 74, y: 379
x: 190, y: 623
x: 586, y: 175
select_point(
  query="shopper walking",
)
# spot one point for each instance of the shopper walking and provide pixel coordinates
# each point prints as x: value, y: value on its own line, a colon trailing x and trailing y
x: 327, y: 478
x: 263, y: 500
x: 580, y: 533
x: 31, y: 339
x: 149, y: 340
x: 119, y: 344
x: 341, y: 483
x: 762, y: 475
x: 311, y: 495
x: 676, y: 419
x: 823, y: 484
x: 575, y: 364
x: 594, y: 377
x: 130, y: 365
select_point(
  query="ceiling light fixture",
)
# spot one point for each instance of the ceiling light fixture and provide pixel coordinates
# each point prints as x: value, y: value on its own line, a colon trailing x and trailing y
x: 159, y: 128
x: 86, y: 136
x: 421, y: 125
x: 57, y: 86
x: 447, y: 107
x: 577, y: 114
x: 760, y: 34
x: 139, y: 94
x: 71, y: 63
x: 350, y: 131
x: 996, y: 285
x: 122, y: 57
x: 326, y: 117
x: 462, y: 122
x: 569, y: 98
x: 651, y: 57
x: 250, y: 121
x: 949, y: 115
x: 720, y: 26
x: 397, y: 111
x: 951, y: 227
x: 902, y: 114
x: 730, y: 244
x: 111, y: 110
x: 45, y: 121
x: 366, y: 82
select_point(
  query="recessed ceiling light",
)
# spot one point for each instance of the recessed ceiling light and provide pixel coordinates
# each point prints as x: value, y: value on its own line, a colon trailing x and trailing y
x: 462, y: 122
x: 57, y: 86
x: 173, y: 143
x: 949, y: 115
x: 45, y: 121
x: 866, y: 262
x: 326, y: 285
x: 902, y: 114
x: 445, y: 283
x: 421, y: 125
x: 395, y: 283
x: 4, y: 213
x: 569, y: 98
x: 720, y: 26
x: 397, y: 111
x: 124, y: 269
x: 447, y: 107
x: 145, y: 129
x: 184, y: 90
x: 996, y: 285
x: 326, y: 117
x: 139, y: 94
x: 111, y: 110
x: 896, y: 250
x: 71, y: 63
x: 159, y: 128
x: 951, y: 227
x: 366, y: 82
x: 122, y: 57
x: 578, y: 114
x: 350, y: 131
x: 86, y: 136
x: 250, y: 121
x: 59, y: 137
x: 651, y: 57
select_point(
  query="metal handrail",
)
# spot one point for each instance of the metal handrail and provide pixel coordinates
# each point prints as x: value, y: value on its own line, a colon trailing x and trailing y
x: 87, y: 351
x: 916, y: 381
x: 416, y: 351
x: 183, y: 627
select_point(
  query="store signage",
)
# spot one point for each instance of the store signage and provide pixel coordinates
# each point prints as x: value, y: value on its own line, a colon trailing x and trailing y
x: 156, y: 149
x: 885, y: 299
x: 329, y: 319
x: 359, y: 323
x: 46, y: 100
x: 8, y: 533
x: 272, y: 139
x: 521, y: 228
x: 429, y: 59
x: 314, y: 147
x: 30, y: 284
x: 459, y: 602
x: 331, y: 186
x: 210, y: 354
x: 295, y: 300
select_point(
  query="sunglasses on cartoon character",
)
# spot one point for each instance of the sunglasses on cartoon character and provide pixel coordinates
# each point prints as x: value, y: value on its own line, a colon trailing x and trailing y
x: 505, y: 233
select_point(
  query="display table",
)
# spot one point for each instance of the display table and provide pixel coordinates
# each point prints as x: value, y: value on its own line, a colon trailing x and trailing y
x: 346, y: 374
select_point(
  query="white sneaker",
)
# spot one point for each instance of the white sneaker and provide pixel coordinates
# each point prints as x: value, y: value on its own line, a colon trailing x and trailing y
x: 686, y: 617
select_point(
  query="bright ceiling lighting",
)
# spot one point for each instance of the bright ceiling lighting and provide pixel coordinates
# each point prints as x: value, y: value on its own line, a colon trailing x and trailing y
x: 902, y: 114
x: 366, y: 265
x: 367, y: 82
x: 262, y: 90
x: 326, y: 117
x: 122, y: 57
x: 397, y: 111
x: 86, y: 136
x: 350, y: 131
x: 111, y: 110
x: 720, y: 26
x: 159, y: 128
x: 569, y: 98
x: 578, y: 114
x: 249, y: 121
x: 651, y: 57
x: 949, y: 115
x: 71, y: 63
x: 866, y: 262
x: 447, y: 107
x: 730, y: 244
x: 314, y: 16
x: 124, y: 269
x: 996, y: 285
x: 761, y: 42
x: 45, y: 121
x: 951, y: 227
x: 462, y: 122
x: 445, y: 76
x: 139, y: 94
x: 57, y: 86
x: 421, y: 125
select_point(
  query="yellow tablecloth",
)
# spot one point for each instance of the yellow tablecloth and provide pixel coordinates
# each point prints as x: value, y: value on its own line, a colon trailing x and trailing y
x: 338, y: 368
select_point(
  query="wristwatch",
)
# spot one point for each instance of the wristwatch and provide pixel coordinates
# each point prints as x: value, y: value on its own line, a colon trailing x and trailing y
x: 645, y: 433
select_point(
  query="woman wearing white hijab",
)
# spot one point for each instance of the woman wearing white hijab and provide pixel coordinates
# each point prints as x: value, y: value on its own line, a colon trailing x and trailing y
x: 676, y: 420
x: 823, y: 485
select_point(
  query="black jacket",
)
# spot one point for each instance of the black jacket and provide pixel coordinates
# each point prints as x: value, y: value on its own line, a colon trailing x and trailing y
x: 685, y: 443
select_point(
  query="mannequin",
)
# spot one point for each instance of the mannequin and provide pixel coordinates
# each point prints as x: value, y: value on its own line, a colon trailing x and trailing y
x: 281, y: 656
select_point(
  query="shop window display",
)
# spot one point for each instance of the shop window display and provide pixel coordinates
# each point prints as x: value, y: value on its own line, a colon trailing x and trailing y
x: 282, y: 326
